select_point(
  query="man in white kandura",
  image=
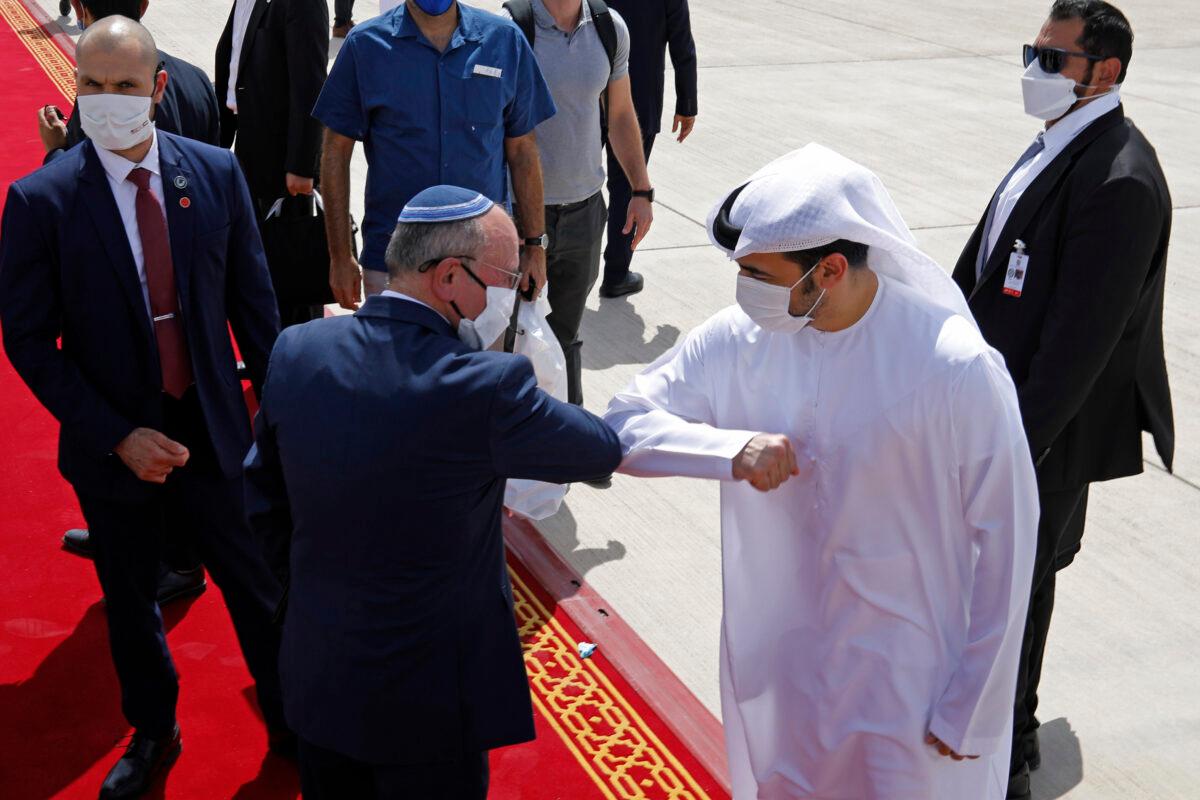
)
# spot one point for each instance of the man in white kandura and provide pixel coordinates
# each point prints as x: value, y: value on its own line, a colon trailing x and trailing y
x: 875, y: 602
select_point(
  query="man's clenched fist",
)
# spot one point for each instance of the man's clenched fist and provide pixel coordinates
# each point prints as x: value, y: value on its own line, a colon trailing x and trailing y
x: 150, y: 455
x: 766, y: 461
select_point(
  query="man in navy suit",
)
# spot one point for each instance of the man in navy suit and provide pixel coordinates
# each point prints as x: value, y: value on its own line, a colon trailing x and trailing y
x: 382, y: 447
x: 188, y: 108
x: 137, y: 249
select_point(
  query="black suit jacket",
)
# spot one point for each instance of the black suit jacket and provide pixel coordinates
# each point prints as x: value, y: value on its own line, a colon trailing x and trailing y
x: 1084, y: 340
x: 655, y: 25
x: 281, y: 68
x: 188, y: 107
x: 75, y: 323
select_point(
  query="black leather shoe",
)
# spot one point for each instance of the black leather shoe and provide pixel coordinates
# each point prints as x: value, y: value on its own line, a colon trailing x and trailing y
x: 1018, y: 785
x: 79, y: 542
x: 1033, y: 751
x: 600, y: 483
x: 174, y: 585
x: 144, y: 758
x: 632, y: 283
x: 64, y: 8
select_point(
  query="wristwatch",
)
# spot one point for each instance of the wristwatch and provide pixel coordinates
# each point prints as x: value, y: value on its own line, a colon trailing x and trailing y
x: 646, y: 193
x: 542, y: 241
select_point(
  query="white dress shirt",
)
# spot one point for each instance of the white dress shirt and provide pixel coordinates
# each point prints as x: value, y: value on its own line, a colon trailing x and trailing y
x: 117, y: 168
x: 1056, y: 140
x: 402, y: 296
x: 241, y: 20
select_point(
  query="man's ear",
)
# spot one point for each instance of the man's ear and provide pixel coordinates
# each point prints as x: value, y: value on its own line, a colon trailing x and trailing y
x: 832, y: 270
x: 1107, y: 73
x: 160, y: 85
x: 444, y: 276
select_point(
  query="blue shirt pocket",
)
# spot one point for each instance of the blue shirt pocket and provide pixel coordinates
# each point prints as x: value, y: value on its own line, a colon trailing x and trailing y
x: 483, y: 100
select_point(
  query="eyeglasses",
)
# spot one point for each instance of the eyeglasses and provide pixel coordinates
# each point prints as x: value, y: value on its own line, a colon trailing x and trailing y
x: 514, y: 277
x: 1052, y: 59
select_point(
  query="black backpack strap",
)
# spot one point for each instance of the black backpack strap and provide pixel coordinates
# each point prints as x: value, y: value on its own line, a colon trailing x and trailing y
x: 521, y: 12
x: 606, y: 29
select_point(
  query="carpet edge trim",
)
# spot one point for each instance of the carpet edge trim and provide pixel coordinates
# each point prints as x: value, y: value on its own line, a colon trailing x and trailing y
x: 688, y: 719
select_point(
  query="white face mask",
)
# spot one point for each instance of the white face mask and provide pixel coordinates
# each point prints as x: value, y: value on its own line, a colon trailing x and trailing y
x: 115, y: 121
x: 768, y: 304
x: 1050, y: 96
x: 486, y: 329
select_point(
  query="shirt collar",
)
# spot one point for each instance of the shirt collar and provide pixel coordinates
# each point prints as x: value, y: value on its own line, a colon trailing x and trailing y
x: 1067, y: 128
x: 544, y: 19
x: 402, y: 296
x: 405, y: 27
x: 119, y: 167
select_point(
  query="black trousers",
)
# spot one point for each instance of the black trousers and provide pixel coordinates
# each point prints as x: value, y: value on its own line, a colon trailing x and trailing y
x: 179, y: 546
x: 327, y: 775
x: 1062, y: 521
x: 617, y: 252
x: 572, y: 266
x: 298, y: 315
x: 343, y: 10
x: 128, y: 541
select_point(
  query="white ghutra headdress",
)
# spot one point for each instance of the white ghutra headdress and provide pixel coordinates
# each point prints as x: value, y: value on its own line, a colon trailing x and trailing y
x: 813, y: 196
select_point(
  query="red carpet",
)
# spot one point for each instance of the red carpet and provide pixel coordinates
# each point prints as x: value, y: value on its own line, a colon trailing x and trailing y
x: 60, y: 722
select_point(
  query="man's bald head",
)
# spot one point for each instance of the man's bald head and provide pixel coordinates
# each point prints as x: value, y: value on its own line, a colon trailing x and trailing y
x: 116, y: 55
x: 117, y: 38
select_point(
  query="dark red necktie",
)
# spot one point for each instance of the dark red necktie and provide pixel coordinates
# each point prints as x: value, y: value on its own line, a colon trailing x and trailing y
x: 160, y: 280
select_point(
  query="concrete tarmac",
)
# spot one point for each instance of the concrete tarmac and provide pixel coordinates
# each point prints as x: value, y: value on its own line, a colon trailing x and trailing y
x: 928, y: 96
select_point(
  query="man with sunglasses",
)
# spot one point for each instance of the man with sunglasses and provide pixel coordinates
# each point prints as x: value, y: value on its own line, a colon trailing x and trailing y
x: 387, y: 520
x: 1065, y: 274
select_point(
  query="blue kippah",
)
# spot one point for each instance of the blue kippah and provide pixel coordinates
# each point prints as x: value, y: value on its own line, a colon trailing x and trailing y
x: 445, y: 204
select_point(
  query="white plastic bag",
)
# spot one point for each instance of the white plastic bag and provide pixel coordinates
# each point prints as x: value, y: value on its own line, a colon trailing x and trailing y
x: 536, y: 342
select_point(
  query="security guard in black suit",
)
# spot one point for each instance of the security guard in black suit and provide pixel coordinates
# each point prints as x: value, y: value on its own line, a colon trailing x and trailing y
x: 654, y: 27
x: 1069, y: 288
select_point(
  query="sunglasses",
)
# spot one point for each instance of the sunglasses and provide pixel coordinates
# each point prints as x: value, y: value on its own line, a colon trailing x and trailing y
x: 1052, y: 59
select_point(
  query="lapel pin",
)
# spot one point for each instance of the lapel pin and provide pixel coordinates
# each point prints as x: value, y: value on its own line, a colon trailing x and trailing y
x: 180, y: 182
x: 184, y: 202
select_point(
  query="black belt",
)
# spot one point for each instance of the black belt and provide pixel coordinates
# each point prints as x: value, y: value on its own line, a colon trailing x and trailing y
x: 578, y: 204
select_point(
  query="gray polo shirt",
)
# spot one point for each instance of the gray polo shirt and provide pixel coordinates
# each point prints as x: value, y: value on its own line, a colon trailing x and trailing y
x: 576, y: 70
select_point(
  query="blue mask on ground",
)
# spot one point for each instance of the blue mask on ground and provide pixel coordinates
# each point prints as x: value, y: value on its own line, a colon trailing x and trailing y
x: 434, y: 8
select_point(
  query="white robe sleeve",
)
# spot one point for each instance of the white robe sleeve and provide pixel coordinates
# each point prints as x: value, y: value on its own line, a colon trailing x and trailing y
x: 1000, y: 505
x: 665, y: 418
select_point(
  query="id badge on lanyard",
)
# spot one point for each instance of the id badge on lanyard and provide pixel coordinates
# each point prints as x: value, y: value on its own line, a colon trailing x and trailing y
x: 1018, y: 266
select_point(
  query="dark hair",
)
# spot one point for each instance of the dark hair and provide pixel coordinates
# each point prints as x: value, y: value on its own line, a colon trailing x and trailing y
x: 854, y: 253
x: 1106, y: 31
x: 106, y: 8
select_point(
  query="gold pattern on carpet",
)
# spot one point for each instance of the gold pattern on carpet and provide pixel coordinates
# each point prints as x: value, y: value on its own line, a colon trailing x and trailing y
x: 604, y: 732
x: 58, y: 67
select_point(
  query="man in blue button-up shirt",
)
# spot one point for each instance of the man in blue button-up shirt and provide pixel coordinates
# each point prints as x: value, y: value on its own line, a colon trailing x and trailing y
x: 449, y: 98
